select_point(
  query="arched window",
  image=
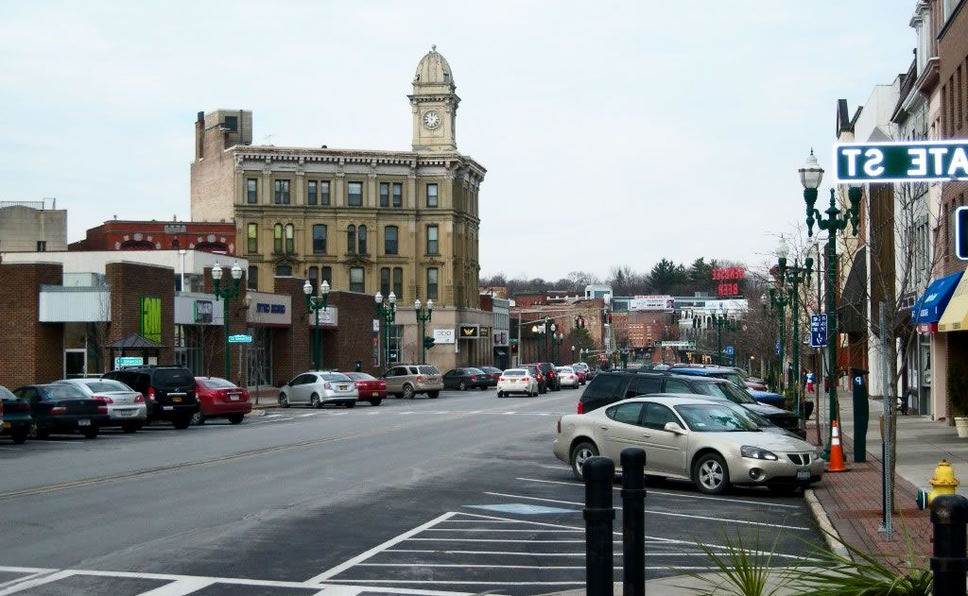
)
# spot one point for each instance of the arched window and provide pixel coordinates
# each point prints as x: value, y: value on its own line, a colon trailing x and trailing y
x: 290, y: 239
x: 351, y: 239
x: 361, y: 240
x: 277, y: 238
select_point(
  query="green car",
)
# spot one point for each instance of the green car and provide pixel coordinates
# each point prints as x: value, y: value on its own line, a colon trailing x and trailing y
x: 15, y: 416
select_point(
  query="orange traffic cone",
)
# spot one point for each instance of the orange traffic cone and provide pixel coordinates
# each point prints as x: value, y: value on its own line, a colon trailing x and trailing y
x: 836, y: 463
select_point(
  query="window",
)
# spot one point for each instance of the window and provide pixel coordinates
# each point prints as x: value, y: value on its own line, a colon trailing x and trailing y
x: 283, y: 271
x: 625, y: 413
x: 361, y: 240
x: 290, y: 239
x: 252, y: 278
x: 351, y: 239
x: 231, y: 123
x: 41, y: 246
x: 356, y: 280
x: 643, y: 385
x: 327, y: 275
x: 251, y: 191
x: 252, y: 235
x: 324, y: 193
x: 657, y: 415
x: 390, y: 234
x: 385, y: 281
x: 675, y: 386
x: 354, y: 194
x: 398, y: 282
x: 384, y: 194
x: 313, y: 276
x: 432, y: 195
x: 432, y: 278
x: 282, y: 192
x: 319, y: 239
x: 433, y: 247
x: 277, y: 238
x: 311, y: 192
x: 397, y: 194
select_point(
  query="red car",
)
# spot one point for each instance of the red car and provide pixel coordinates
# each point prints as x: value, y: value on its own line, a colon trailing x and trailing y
x: 219, y: 398
x: 370, y: 388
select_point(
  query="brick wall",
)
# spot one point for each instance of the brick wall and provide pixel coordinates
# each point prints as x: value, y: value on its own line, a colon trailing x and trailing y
x: 31, y: 352
x: 128, y: 283
x: 353, y: 340
x: 291, y: 350
x: 953, y: 54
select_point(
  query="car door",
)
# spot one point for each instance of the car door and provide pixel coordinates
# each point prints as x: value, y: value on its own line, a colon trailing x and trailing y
x: 665, y: 451
x: 620, y: 428
x: 299, y: 389
x: 392, y: 377
x: 450, y: 378
x: 643, y: 385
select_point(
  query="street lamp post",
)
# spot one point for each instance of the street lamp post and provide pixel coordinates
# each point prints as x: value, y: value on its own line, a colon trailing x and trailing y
x: 810, y: 175
x: 556, y: 340
x: 539, y: 331
x: 721, y: 321
x: 423, y: 316
x: 779, y: 302
x: 794, y: 275
x: 386, y: 311
x: 313, y: 305
x: 572, y: 353
x: 231, y: 290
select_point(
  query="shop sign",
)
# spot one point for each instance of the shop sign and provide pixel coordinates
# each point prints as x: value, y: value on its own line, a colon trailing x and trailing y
x: 484, y: 331
x: 327, y: 317
x: 663, y: 302
x: 203, y: 311
x: 270, y: 310
x: 444, y: 336
x: 469, y: 332
x: 151, y: 318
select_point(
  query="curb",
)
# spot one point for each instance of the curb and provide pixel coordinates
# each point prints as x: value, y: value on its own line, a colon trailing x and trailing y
x: 830, y: 534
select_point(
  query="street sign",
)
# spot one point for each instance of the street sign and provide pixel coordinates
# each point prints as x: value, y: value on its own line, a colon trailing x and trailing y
x: 961, y: 233
x: 686, y: 345
x: 818, y: 330
x: 729, y: 350
x: 240, y: 339
x: 901, y: 161
x: 122, y: 361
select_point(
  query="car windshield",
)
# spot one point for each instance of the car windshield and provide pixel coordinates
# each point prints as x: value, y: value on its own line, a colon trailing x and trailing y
x: 725, y: 391
x: 475, y: 371
x: 360, y: 376
x: 64, y: 391
x: 216, y: 383
x: 709, y: 418
x: 515, y: 372
x: 732, y: 377
x: 335, y: 377
x: 428, y: 370
x: 5, y: 393
x: 106, y: 385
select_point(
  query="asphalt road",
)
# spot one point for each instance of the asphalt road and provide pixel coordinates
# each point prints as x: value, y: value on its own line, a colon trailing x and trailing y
x: 455, y: 495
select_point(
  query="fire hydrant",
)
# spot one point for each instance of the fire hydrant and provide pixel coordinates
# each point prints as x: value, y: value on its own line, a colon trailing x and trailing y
x: 942, y: 483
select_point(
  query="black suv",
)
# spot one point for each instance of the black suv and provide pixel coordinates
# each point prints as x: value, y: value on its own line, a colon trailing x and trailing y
x: 611, y: 387
x: 550, y: 375
x: 534, y: 372
x: 169, y: 391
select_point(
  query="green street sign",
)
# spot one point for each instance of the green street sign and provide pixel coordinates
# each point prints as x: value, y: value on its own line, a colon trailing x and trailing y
x: 240, y: 339
x: 901, y: 161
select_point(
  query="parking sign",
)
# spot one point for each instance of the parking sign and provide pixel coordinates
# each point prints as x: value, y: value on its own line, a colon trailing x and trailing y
x: 818, y: 330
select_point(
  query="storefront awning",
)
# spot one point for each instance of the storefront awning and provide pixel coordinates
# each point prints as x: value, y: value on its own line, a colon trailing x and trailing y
x: 955, y: 317
x: 929, y: 307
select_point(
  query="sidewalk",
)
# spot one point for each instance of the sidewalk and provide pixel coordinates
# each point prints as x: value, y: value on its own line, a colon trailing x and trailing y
x: 267, y: 397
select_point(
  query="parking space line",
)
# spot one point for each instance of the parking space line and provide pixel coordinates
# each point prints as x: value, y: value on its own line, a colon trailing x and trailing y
x: 500, y: 530
x: 180, y: 587
x: 34, y: 582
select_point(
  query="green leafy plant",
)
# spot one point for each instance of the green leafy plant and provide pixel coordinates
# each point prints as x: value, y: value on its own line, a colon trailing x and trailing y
x: 744, y: 570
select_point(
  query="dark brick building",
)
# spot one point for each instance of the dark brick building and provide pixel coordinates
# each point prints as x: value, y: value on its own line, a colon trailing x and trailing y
x: 157, y: 235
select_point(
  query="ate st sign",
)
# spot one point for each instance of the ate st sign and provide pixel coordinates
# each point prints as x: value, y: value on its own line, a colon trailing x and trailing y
x: 901, y: 161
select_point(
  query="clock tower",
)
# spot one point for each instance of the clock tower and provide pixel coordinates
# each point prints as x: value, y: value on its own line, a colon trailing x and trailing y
x: 434, y: 103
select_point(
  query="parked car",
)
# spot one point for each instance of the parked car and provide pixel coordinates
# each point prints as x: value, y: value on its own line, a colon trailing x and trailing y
x: 493, y: 374
x: 551, y: 376
x: 62, y: 409
x: 730, y: 374
x: 169, y: 391
x: 370, y: 388
x: 318, y: 388
x: 15, y: 416
x: 220, y: 398
x: 126, y: 407
x: 608, y: 388
x: 567, y: 376
x: 711, y: 444
x: 466, y: 378
x: 540, y: 378
x: 517, y: 380
x: 582, y: 370
x: 408, y: 380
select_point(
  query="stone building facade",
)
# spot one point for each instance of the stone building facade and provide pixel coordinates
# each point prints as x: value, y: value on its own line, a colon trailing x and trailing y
x: 29, y: 226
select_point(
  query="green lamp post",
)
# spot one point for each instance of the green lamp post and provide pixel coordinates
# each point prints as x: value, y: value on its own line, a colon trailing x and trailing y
x: 556, y: 340
x: 780, y: 299
x: 795, y: 276
x: 539, y: 331
x: 231, y: 290
x: 722, y: 321
x: 423, y: 316
x: 314, y: 304
x: 386, y: 311
x: 810, y: 176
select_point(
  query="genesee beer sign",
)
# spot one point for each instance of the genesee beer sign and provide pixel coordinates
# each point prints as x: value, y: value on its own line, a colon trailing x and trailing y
x: 726, y: 277
x: 901, y: 161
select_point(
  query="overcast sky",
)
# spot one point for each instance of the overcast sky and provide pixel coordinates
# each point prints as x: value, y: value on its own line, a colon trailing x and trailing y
x: 613, y: 132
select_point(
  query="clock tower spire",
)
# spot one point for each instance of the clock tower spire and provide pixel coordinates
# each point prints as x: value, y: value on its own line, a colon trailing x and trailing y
x: 434, y: 103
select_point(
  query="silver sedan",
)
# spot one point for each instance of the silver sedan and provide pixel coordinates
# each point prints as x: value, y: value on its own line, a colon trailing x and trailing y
x: 317, y: 388
x: 126, y: 407
x: 710, y: 443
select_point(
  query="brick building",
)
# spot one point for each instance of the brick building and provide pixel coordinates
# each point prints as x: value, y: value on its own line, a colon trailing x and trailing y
x: 218, y: 237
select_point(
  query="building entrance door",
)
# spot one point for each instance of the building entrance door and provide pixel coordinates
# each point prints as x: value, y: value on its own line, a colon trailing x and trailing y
x: 75, y: 363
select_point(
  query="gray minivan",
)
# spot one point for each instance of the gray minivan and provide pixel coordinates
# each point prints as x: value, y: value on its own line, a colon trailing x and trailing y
x: 407, y: 380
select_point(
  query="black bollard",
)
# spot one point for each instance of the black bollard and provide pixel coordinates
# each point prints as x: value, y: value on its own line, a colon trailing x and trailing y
x: 633, y: 522
x: 599, y: 474
x: 949, y: 514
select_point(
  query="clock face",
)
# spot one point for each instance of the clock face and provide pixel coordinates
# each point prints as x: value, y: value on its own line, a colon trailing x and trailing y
x: 431, y: 120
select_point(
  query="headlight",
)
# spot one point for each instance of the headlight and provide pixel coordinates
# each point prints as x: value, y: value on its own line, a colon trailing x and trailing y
x: 757, y: 453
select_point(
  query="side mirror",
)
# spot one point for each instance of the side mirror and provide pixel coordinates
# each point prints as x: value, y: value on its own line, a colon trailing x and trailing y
x: 673, y: 427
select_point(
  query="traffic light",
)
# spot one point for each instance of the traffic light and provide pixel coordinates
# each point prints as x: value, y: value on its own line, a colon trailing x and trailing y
x: 428, y: 342
x: 514, y: 346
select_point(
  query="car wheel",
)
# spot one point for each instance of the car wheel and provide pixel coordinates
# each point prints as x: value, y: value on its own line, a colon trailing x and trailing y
x: 130, y: 427
x: 182, y: 422
x: 484, y: 388
x: 283, y: 400
x: 351, y: 404
x: 533, y: 393
x: 711, y: 474
x: 462, y: 386
x: 375, y: 402
x: 19, y: 436
x: 500, y: 394
x: 579, y: 455
x: 433, y: 394
x: 314, y: 402
x: 90, y: 433
x: 236, y: 418
x: 35, y: 432
x: 198, y: 418
x: 408, y: 391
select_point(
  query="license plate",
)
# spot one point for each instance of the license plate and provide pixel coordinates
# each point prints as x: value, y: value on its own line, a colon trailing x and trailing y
x: 803, y: 474
x: 167, y: 408
x: 7, y: 424
x: 84, y: 422
x: 234, y: 397
x: 343, y: 387
x: 376, y: 394
x: 176, y: 400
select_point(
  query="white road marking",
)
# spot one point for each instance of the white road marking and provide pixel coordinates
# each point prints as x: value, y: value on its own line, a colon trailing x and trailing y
x: 36, y: 573
x: 329, y: 573
x: 180, y: 587
x: 35, y: 581
x: 501, y: 530
x: 650, y: 491
x: 306, y: 415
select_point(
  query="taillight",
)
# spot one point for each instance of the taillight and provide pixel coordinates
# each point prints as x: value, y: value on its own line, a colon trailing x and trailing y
x: 581, y: 408
x: 140, y: 399
x: 151, y: 393
x: 102, y: 409
x: 420, y: 378
x: 327, y: 386
x: 58, y: 410
x: 500, y: 379
x: 104, y: 398
x: 20, y: 407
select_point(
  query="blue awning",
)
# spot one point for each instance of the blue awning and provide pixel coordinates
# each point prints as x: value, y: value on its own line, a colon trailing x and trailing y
x: 929, y: 308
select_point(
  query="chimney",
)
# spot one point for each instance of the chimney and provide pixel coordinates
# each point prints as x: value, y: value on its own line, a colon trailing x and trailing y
x: 199, y: 136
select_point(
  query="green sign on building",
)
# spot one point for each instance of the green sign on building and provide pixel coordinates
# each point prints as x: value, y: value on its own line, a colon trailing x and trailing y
x: 901, y: 161
x: 151, y: 318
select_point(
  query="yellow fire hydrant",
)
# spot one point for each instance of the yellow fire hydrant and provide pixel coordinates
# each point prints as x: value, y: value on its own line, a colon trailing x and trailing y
x: 942, y: 483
